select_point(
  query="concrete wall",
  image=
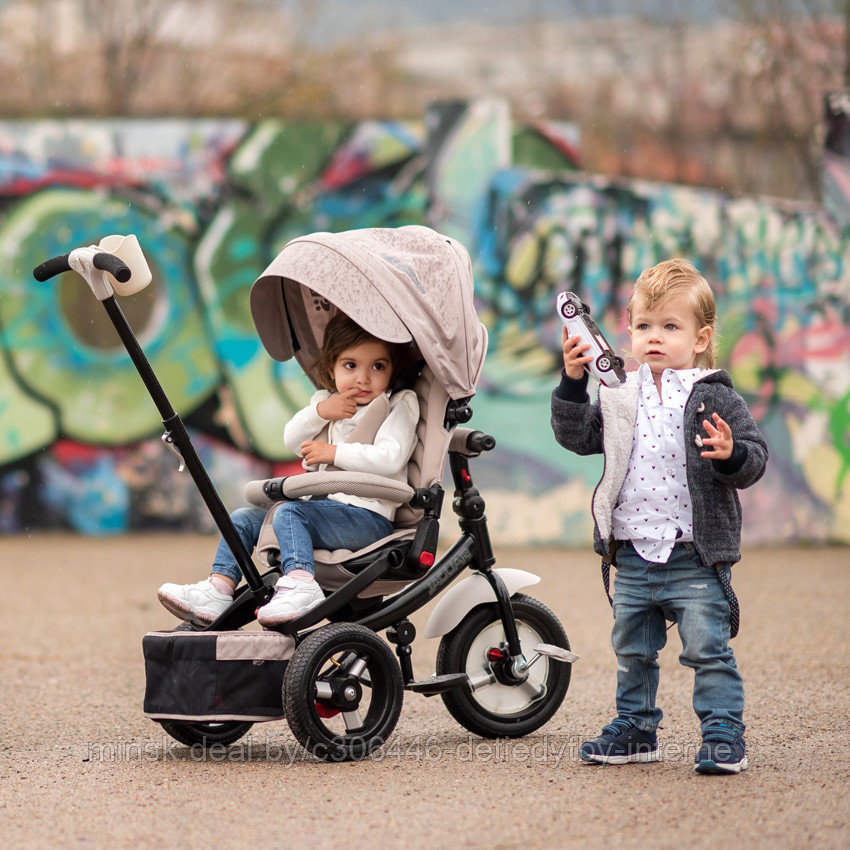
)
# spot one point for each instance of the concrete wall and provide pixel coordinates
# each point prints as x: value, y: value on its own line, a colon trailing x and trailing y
x: 213, y: 201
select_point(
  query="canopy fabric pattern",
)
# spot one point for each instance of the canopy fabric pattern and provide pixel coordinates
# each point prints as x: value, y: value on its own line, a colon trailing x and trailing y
x: 399, y: 284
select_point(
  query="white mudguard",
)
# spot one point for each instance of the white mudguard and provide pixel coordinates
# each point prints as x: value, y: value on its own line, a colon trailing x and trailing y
x: 464, y: 596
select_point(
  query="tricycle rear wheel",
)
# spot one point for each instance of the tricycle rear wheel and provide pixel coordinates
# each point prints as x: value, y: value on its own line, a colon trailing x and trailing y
x: 342, y: 692
x: 205, y: 733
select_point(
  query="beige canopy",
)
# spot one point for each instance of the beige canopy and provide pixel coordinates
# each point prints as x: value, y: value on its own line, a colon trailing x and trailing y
x: 398, y: 283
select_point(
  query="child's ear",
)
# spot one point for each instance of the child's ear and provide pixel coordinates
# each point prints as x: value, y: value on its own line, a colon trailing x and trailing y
x: 703, y: 339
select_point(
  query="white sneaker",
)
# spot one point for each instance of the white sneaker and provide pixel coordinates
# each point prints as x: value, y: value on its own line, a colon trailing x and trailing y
x: 199, y: 602
x: 291, y: 599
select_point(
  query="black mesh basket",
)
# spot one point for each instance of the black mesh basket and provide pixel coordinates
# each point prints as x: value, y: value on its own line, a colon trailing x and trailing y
x: 215, y: 675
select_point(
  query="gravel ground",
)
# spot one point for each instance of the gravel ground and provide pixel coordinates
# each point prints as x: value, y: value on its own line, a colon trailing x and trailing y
x: 81, y: 766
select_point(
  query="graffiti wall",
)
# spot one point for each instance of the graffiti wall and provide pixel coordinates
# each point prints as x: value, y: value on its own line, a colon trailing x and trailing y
x: 212, y: 202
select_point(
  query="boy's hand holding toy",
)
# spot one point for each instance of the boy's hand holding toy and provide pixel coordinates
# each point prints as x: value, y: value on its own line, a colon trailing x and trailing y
x: 575, y: 355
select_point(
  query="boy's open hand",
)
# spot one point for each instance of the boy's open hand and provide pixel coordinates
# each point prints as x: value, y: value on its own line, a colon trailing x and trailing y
x: 315, y: 452
x: 719, y: 438
x: 339, y: 405
x: 574, y: 355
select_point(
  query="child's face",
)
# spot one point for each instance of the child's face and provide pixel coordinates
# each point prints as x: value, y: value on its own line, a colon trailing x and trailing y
x: 365, y: 370
x: 667, y: 337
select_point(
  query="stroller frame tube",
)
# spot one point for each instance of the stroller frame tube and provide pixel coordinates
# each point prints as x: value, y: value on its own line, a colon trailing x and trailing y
x: 473, y: 549
x: 175, y: 432
x: 451, y: 565
x: 469, y: 505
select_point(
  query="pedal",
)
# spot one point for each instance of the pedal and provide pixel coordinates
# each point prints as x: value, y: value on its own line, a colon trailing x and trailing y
x: 438, y: 684
x: 557, y: 653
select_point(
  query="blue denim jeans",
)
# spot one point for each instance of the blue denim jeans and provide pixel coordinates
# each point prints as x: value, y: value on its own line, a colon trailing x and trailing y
x: 301, y: 527
x: 683, y: 590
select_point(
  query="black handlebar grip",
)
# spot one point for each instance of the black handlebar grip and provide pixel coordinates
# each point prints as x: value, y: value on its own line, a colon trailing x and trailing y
x: 105, y: 262
x: 51, y: 268
x: 115, y: 267
x: 478, y: 441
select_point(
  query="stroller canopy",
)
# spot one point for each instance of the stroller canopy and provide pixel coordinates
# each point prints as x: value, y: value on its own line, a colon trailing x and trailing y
x: 399, y: 284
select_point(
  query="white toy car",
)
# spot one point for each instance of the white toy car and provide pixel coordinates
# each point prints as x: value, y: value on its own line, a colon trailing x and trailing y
x: 606, y: 366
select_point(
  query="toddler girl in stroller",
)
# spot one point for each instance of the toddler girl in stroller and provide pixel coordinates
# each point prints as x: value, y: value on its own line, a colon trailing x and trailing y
x: 355, y: 370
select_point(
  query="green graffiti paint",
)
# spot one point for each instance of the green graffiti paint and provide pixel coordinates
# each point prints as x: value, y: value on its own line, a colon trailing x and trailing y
x: 94, y: 388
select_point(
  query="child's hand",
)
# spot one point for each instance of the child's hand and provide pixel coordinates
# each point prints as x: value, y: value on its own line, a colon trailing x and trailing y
x: 315, y: 452
x: 719, y: 437
x: 339, y: 405
x: 574, y: 357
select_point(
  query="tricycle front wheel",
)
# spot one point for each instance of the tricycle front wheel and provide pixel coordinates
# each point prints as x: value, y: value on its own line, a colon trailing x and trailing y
x: 495, y: 704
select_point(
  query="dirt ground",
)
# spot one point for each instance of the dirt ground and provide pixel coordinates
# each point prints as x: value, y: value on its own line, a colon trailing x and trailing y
x: 81, y: 766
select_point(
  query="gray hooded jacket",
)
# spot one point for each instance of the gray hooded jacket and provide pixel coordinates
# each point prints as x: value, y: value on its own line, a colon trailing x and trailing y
x: 608, y: 426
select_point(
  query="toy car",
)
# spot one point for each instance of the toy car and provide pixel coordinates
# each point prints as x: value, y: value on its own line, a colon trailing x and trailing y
x: 606, y: 366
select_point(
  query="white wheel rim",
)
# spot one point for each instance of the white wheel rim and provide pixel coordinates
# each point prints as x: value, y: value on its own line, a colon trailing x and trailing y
x: 496, y: 698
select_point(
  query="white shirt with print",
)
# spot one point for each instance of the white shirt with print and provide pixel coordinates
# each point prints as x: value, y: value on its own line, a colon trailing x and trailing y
x: 654, y: 509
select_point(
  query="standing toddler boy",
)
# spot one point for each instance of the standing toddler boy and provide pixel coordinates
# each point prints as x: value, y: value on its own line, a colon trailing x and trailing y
x: 678, y: 443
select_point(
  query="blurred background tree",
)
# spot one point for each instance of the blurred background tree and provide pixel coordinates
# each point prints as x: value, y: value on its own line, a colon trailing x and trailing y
x: 725, y: 94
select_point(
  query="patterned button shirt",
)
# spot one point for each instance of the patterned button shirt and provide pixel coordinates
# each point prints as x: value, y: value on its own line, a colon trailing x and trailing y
x: 654, y: 507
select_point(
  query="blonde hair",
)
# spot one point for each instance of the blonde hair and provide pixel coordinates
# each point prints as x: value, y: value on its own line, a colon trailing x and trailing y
x: 670, y: 278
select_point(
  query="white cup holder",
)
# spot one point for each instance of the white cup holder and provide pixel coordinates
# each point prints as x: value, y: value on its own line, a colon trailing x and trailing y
x: 128, y: 250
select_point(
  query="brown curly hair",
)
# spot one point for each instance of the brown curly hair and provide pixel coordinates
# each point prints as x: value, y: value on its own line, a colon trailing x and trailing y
x: 342, y: 333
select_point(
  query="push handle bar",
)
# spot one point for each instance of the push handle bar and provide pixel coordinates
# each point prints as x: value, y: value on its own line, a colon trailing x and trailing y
x: 103, y: 261
x: 176, y: 435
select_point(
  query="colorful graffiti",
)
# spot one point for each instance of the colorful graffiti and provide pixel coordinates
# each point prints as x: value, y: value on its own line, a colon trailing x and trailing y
x: 212, y: 202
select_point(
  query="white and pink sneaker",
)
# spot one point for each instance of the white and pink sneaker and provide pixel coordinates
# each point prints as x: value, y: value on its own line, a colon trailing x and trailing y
x: 201, y: 602
x: 292, y: 598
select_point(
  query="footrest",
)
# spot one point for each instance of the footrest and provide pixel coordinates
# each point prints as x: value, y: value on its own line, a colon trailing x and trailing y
x: 557, y: 653
x: 438, y: 684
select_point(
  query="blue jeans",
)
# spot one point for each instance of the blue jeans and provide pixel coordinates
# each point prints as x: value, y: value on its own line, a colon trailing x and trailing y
x: 683, y: 590
x: 301, y: 527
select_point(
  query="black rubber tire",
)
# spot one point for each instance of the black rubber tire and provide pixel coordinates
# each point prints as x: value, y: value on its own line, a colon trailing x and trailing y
x: 382, y: 696
x: 204, y: 733
x: 604, y: 363
x: 568, y: 310
x: 474, y: 709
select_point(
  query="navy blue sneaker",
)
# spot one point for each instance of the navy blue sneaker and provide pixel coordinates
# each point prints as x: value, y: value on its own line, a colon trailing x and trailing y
x: 722, y: 751
x: 621, y: 742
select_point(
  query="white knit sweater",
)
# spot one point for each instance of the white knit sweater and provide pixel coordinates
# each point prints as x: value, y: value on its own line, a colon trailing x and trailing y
x: 387, y: 455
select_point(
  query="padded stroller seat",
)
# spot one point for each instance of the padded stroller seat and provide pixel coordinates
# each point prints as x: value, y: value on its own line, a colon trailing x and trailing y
x: 335, y: 568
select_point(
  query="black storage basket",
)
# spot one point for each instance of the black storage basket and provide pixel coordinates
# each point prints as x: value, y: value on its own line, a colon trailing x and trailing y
x: 210, y: 676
